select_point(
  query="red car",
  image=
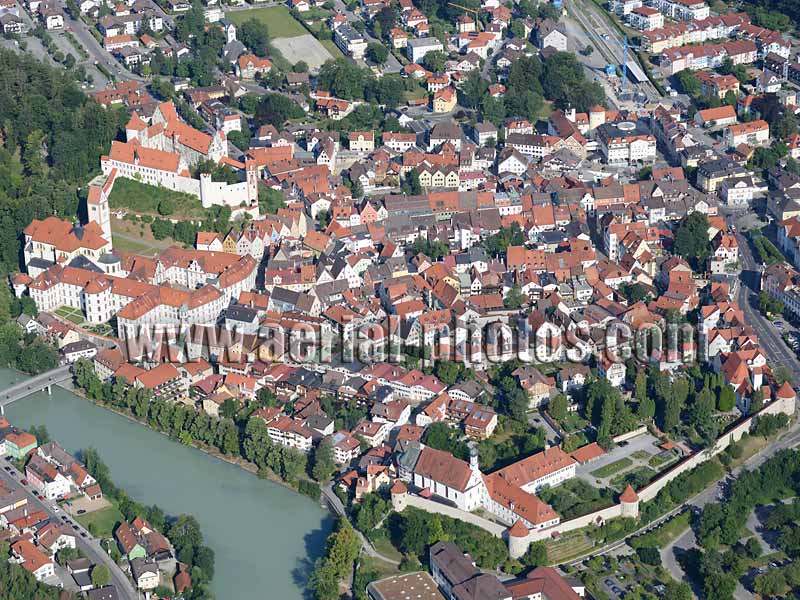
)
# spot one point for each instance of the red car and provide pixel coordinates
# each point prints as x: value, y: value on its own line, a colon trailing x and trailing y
x: 24, y: 482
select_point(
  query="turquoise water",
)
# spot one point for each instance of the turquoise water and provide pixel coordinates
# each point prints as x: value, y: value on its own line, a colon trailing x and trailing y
x: 265, y: 536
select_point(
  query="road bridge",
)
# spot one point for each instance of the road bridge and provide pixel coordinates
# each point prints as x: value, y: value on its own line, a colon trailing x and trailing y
x: 35, y: 384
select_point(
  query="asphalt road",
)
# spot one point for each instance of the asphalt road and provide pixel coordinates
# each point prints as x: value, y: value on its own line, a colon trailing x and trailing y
x: 790, y: 439
x: 89, y: 545
x: 97, y: 54
x: 769, y: 337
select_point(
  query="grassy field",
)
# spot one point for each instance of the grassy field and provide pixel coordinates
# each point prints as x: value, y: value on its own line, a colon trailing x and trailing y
x: 101, y: 523
x: 641, y: 455
x: 611, y: 468
x: 385, y: 547
x: 664, y: 534
x: 415, y: 94
x: 278, y: 19
x: 128, y: 245
x: 573, y: 422
x: 572, y: 544
x: 751, y: 444
x: 331, y: 47
x: 144, y: 199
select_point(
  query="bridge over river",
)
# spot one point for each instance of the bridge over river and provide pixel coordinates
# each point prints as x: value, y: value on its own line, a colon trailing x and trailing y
x: 34, y: 384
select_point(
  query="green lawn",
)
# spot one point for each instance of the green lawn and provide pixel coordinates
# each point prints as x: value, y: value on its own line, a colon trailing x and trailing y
x: 661, y: 458
x: 101, y: 523
x: 664, y: 534
x: 144, y: 199
x: 316, y: 13
x: 128, y: 245
x: 611, y: 468
x: 102, y: 329
x: 278, y: 19
x: 641, y: 455
x: 385, y: 547
x: 71, y: 314
x: 573, y: 422
x: 331, y: 47
x: 576, y: 497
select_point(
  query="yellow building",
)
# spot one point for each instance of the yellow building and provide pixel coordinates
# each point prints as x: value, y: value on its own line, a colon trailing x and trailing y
x: 444, y: 100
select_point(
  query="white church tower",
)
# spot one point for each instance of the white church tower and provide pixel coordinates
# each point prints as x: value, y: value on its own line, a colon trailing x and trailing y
x: 97, y: 207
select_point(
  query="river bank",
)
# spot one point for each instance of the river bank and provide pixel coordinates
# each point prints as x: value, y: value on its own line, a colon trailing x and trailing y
x: 265, y: 536
x: 243, y: 464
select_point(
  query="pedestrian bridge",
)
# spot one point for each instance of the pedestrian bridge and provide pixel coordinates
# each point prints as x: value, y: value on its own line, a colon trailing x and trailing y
x: 34, y: 384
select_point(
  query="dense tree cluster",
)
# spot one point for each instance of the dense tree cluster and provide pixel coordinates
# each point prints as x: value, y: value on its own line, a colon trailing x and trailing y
x: 28, y: 353
x: 691, y: 239
x: 245, y: 437
x: 413, y: 531
x: 605, y: 408
x: 722, y: 560
x: 52, y: 139
x: 497, y: 244
x: 435, y: 249
x: 686, y: 403
x: 18, y: 584
x: 347, y: 80
x: 341, y: 551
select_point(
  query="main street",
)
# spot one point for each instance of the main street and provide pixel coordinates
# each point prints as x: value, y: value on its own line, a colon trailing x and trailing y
x: 778, y: 353
x: 97, y: 54
x: 89, y: 545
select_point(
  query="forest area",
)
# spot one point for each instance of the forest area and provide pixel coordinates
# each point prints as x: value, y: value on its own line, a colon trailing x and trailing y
x: 51, y: 139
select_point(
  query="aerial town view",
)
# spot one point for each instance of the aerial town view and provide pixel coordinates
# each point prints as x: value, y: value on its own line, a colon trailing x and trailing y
x: 399, y: 299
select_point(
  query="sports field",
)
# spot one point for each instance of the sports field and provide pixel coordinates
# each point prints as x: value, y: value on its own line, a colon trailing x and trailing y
x: 279, y: 21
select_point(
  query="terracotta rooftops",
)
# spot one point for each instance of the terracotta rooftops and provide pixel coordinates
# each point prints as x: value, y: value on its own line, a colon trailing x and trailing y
x: 629, y: 495
x: 135, y: 153
x: 443, y: 467
x: 64, y: 235
x: 537, y: 466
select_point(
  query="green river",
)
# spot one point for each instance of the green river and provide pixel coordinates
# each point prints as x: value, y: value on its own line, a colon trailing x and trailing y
x: 264, y: 535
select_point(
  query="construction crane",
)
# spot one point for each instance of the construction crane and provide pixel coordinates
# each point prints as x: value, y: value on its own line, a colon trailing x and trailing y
x: 625, y: 45
x: 467, y: 9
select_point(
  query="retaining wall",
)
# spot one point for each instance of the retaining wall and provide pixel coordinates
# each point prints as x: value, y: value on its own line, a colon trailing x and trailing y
x: 432, y: 506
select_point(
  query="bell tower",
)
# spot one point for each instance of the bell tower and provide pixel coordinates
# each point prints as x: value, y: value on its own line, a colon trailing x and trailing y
x: 251, y: 172
x: 97, y: 208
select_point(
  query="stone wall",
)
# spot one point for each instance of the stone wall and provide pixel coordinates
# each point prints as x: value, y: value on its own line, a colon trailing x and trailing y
x: 630, y: 435
x: 734, y: 434
x: 432, y: 506
x: 519, y: 545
